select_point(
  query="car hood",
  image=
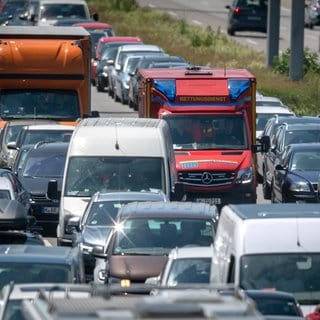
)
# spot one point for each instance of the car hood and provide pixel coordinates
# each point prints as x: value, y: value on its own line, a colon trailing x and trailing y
x: 38, y: 185
x: 136, y: 268
x: 96, y: 235
x: 211, y: 160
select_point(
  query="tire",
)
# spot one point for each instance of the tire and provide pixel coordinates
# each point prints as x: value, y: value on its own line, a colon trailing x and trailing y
x: 230, y: 31
x: 272, y: 196
x: 266, y: 189
x: 99, y: 87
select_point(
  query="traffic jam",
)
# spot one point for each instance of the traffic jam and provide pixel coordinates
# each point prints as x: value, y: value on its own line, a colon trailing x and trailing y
x: 156, y: 215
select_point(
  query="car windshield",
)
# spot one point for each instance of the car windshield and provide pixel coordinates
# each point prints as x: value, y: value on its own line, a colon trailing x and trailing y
x: 202, y: 132
x: 34, y: 136
x: 62, y: 10
x: 39, y: 104
x: 103, y: 213
x: 262, y: 119
x: 87, y: 175
x: 159, y: 236
x: 50, y: 166
x: 306, y: 160
x: 33, y: 273
x: 302, y: 136
x: 296, y: 273
x: 189, y: 270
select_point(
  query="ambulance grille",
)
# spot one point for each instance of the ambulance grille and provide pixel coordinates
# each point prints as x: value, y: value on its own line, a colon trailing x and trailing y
x: 207, y: 178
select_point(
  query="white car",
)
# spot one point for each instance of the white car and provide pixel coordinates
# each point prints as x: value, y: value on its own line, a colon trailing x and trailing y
x: 185, y: 265
x: 268, y: 101
x: 264, y: 113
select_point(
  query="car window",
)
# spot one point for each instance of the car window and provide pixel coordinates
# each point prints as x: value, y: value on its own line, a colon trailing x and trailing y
x: 5, y: 194
x: 189, y: 270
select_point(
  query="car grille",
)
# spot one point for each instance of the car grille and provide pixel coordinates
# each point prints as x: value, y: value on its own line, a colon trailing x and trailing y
x: 39, y: 197
x: 207, y: 178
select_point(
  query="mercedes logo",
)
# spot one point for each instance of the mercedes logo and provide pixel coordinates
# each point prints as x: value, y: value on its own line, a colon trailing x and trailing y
x: 207, y: 178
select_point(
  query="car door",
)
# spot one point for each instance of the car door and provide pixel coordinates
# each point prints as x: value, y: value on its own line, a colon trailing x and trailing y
x: 280, y: 175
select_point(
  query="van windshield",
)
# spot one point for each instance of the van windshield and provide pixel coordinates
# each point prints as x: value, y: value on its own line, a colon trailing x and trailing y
x: 297, y: 273
x: 87, y: 175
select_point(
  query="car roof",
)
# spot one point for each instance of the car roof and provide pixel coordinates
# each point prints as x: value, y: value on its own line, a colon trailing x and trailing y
x: 271, y: 294
x: 191, y: 252
x: 276, y: 210
x: 129, y: 195
x: 49, y: 127
x: 172, y: 209
x: 37, y: 254
x: 301, y: 126
x: 120, y: 39
x: 273, y: 110
x: 296, y: 119
x: 141, y: 47
x: 305, y: 146
x: 93, y: 25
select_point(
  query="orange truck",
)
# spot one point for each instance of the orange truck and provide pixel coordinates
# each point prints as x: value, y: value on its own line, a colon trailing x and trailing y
x: 45, y: 73
x: 211, y: 115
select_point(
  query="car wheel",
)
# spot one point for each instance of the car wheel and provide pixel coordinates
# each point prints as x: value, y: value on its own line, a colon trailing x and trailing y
x: 266, y: 188
x: 99, y: 87
x: 230, y: 31
x: 259, y: 178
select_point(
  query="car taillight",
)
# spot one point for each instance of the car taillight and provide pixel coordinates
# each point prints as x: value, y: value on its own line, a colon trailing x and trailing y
x: 236, y: 10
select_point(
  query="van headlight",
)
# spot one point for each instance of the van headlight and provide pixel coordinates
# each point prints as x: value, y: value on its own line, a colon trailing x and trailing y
x: 300, y: 187
x: 245, y: 176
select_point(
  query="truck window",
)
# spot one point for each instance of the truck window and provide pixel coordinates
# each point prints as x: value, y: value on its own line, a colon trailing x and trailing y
x: 39, y: 104
x: 87, y: 175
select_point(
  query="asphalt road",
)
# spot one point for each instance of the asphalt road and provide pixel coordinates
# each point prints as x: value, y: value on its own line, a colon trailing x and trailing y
x: 207, y: 13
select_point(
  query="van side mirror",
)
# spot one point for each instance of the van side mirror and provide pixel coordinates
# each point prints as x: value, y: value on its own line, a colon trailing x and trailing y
x: 179, y: 192
x: 52, y: 190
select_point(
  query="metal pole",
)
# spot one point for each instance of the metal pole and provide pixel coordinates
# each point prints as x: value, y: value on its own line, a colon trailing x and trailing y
x: 273, y: 31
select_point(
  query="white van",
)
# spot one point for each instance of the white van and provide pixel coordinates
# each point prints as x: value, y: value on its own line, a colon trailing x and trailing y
x: 270, y: 246
x: 116, y: 154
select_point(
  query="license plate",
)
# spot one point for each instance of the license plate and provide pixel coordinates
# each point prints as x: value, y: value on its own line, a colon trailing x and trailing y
x: 254, y: 18
x: 209, y: 200
x: 53, y: 210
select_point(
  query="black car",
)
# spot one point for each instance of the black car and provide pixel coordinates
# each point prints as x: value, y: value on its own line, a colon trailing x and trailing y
x: 280, y: 136
x: 43, y: 163
x: 312, y: 14
x: 38, y: 264
x: 275, y: 303
x: 247, y: 15
x: 295, y: 178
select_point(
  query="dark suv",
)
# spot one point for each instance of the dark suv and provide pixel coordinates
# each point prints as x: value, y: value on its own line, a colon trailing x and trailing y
x: 247, y: 15
x: 44, y: 162
x: 286, y: 134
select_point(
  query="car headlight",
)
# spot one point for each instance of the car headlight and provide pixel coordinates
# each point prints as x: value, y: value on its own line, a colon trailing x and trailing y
x: 300, y: 187
x: 245, y: 176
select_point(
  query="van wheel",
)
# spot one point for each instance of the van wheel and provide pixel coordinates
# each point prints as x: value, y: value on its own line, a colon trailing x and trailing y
x: 266, y: 188
x: 99, y: 87
x: 230, y: 31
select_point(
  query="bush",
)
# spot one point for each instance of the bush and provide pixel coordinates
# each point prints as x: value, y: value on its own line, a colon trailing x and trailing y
x: 310, y: 63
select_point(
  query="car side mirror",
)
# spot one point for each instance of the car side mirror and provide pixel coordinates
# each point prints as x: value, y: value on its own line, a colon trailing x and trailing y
x: 12, y: 145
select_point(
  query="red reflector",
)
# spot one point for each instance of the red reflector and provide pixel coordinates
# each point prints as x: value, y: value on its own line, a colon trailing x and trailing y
x: 236, y: 10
